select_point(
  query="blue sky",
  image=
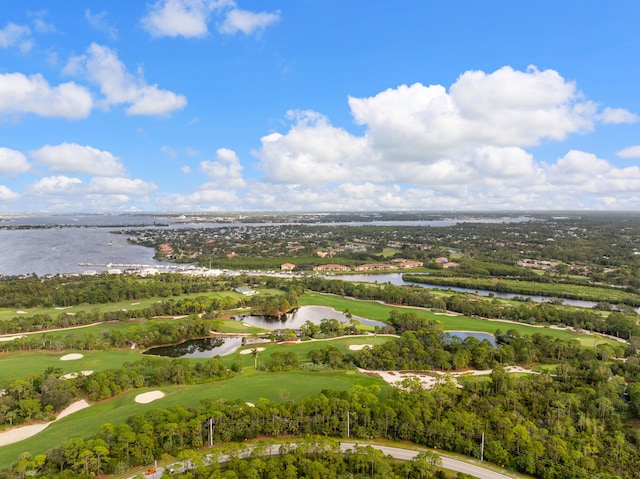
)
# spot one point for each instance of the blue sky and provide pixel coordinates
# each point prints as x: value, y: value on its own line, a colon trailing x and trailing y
x: 300, y: 105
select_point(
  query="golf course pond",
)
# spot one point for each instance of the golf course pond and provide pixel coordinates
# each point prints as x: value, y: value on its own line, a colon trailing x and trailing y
x: 218, y: 346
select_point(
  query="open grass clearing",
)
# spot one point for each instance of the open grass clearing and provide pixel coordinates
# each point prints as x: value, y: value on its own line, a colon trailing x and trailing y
x: 248, y: 387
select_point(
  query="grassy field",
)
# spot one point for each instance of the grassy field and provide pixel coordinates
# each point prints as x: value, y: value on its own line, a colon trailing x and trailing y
x: 250, y: 386
x: 379, y: 311
x: 9, y: 313
x: 302, y: 349
x: 23, y: 364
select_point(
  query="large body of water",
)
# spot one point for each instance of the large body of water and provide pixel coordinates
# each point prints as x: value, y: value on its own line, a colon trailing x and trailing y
x: 58, y: 244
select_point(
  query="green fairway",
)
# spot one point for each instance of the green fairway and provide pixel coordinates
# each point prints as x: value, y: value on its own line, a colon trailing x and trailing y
x: 23, y: 364
x: 380, y: 312
x: 302, y: 349
x: 250, y: 386
x: 138, y: 304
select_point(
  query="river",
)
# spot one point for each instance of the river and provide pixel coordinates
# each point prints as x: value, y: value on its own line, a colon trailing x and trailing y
x: 396, y: 279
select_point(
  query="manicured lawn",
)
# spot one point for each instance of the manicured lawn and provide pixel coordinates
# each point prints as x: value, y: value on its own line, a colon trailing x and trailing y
x: 380, y: 312
x: 303, y: 348
x: 250, y: 386
x: 8, y: 313
x: 23, y: 364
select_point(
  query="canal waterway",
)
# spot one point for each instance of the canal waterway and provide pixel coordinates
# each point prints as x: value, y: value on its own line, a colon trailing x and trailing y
x: 396, y: 279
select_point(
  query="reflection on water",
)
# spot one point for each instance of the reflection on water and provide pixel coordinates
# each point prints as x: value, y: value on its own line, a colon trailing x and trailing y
x: 198, y: 348
x: 295, y: 319
x: 469, y: 334
x: 397, y: 280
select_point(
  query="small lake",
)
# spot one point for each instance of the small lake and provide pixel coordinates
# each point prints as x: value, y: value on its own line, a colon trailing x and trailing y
x: 198, y: 348
x: 471, y: 334
x: 212, y: 347
x: 296, y: 318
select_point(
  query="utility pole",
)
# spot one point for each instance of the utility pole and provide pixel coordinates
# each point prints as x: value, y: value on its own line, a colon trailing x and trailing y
x: 482, y: 448
x: 348, y: 424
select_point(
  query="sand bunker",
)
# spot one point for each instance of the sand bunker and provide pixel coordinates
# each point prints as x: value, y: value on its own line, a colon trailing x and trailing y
x: 23, y: 432
x: 429, y: 379
x: 71, y: 357
x: 358, y: 347
x: 248, y: 351
x: 10, y: 338
x: 21, y: 312
x: 77, y: 374
x: 146, y: 398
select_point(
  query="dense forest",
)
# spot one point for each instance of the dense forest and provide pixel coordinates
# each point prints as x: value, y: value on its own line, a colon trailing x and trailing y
x: 548, y: 425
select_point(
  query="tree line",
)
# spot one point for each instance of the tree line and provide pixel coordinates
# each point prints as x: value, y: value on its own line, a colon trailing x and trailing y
x: 547, y: 425
x: 616, y: 323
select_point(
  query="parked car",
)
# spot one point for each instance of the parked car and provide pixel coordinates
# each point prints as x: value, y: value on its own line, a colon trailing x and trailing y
x: 151, y: 470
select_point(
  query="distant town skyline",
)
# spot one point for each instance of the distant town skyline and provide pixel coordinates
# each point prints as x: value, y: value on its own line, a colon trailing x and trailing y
x: 234, y: 105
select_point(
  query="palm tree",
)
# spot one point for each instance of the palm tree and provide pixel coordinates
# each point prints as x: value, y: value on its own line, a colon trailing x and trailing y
x: 254, y: 353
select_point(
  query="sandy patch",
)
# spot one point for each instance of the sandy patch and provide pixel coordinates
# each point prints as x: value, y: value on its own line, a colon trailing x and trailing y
x: 23, y: 432
x: 250, y: 404
x: 446, y: 314
x: 248, y: 351
x: 73, y: 407
x: 77, y: 374
x: 429, y: 379
x: 59, y: 308
x: 358, y: 347
x: 10, y: 338
x: 134, y: 304
x: 146, y: 398
x: 71, y: 357
x: 21, y: 312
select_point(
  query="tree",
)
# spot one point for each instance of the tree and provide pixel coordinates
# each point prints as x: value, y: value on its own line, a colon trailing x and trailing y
x: 255, y: 352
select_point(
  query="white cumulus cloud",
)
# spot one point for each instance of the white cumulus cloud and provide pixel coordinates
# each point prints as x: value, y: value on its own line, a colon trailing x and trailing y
x: 121, y: 186
x: 313, y: 151
x: 247, y: 22
x: 7, y: 194
x: 226, y: 170
x: 463, y: 147
x: 617, y: 116
x: 56, y: 185
x: 16, y: 35
x: 78, y: 159
x: 631, y: 152
x: 13, y: 162
x: 33, y: 94
x: 185, y: 18
x: 191, y: 18
x: 103, y: 67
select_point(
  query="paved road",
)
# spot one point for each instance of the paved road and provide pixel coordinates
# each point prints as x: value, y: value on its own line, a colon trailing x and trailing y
x: 396, y: 452
x: 447, y: 463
